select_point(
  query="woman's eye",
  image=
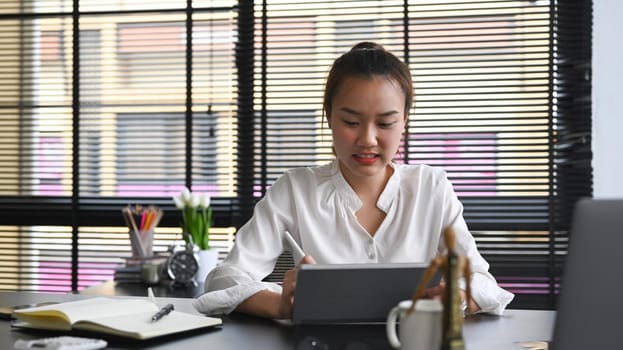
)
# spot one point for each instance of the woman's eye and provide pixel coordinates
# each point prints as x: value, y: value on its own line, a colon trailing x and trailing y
x: 386, y: 125
x: 350, y: 123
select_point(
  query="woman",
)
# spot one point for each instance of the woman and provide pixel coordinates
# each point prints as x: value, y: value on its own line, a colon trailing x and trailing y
x: 359, y: 208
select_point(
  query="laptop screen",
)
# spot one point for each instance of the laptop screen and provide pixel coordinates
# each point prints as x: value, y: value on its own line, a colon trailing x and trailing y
x: 590, y: 307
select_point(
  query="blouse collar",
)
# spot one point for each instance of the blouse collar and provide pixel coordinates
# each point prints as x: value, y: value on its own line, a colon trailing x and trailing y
x: 350, y: 197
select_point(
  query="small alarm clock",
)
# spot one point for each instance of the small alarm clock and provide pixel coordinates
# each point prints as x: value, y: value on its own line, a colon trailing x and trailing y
x: 183, y: 264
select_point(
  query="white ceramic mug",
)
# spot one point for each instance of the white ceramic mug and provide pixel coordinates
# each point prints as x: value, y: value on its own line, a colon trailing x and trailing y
x: 420, y: 329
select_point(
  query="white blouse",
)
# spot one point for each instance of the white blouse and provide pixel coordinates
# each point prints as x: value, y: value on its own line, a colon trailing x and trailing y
x: 318, y: 207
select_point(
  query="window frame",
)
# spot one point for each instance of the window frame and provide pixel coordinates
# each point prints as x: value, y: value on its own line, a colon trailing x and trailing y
x: 569, y: 141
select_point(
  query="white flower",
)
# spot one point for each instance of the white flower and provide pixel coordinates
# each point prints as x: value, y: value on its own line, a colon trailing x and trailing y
x: 180, y: 203
x: 187, y: 197
x: 194, y: 201
x: 204, y: 200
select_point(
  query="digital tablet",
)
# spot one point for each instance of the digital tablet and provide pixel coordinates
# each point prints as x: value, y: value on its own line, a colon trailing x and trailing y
x: 353, y: 293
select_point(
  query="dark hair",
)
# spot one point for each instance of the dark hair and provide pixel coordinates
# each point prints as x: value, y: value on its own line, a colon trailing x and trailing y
x: 368, y: 59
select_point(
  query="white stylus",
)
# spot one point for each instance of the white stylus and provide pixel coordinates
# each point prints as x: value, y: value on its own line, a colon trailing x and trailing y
x: 296, y: 249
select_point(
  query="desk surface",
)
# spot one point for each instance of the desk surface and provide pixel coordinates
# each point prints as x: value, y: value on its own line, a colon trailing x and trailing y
x: 138, y: 289
x: 245, y: 332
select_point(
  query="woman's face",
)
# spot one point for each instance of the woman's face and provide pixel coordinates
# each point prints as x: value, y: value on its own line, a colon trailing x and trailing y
x: 367, y: 120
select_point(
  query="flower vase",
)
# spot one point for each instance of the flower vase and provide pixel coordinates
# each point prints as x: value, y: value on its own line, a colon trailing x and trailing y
x: 208, y: 258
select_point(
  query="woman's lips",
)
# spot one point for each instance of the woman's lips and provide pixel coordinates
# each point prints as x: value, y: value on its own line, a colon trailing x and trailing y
x: 366, y: 158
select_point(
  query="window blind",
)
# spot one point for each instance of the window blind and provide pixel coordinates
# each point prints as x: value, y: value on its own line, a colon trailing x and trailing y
x: 502, y: 103
x: 105, y: 105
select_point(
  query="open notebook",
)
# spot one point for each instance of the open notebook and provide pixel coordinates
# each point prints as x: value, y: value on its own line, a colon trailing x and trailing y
x: 590, y: 307
x: 130, y: 318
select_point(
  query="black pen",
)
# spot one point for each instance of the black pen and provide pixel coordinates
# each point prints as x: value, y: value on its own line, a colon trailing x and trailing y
x: 163, y: 312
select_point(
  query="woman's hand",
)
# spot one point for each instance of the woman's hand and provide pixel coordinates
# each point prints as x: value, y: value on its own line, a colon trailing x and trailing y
x: 270, y: 304
x: 437, y: 292
x: 288, y: 286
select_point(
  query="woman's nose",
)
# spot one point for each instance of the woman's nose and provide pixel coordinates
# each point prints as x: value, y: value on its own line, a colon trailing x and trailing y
x: 367, y: 136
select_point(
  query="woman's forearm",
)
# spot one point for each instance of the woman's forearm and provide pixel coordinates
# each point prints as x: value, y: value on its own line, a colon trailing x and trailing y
x: 263, y: 304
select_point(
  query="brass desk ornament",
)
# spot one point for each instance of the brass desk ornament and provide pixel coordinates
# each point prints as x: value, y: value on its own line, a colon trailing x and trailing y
x: 454, y: 266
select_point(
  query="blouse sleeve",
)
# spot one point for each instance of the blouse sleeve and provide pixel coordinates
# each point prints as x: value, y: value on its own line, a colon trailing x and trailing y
x: 258, y: 245
x: 484, y: 288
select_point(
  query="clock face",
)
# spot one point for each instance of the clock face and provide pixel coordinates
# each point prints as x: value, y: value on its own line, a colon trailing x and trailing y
x: 182, y: 266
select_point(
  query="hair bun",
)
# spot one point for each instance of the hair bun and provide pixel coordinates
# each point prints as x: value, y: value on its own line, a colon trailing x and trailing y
x: 367, y: 45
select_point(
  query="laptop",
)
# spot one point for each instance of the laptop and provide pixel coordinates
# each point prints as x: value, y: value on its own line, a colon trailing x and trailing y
x: 353, y: 293
x: 590, y: 307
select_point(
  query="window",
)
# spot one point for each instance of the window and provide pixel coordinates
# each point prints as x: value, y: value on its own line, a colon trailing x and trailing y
x: 490, y: 77
x: 107, y: 105
x: 135, y: 177
x: 102, y: 105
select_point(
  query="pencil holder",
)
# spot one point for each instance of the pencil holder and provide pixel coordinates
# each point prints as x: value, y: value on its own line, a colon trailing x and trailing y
x: 141, y: 222
x: 142, y: 243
